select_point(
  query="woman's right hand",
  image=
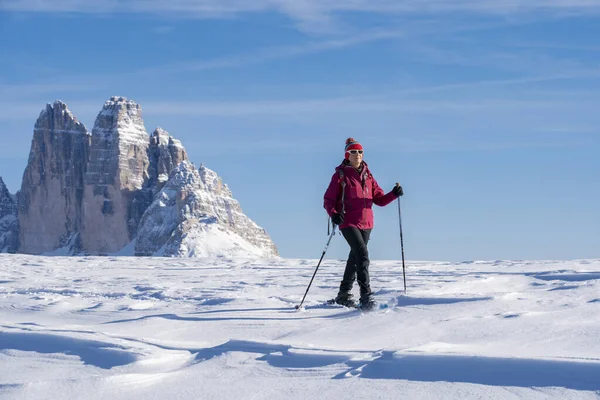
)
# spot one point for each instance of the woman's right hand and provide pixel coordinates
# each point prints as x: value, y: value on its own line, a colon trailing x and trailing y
x: 337, y: 219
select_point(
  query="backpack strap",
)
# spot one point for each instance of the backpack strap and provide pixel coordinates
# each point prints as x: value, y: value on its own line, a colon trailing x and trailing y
x: 343, y: 182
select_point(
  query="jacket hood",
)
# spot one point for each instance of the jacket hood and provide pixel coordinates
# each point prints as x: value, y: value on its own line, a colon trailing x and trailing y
x: 346, y: 164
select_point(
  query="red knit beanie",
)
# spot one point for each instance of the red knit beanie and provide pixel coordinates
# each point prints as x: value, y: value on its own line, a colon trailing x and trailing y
x: 351, y: 144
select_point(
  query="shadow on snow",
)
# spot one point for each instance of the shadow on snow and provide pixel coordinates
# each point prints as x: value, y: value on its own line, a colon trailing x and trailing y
x: 479, y: 370
x: 428, y: 301
x: 569, y: 277
x: 100, y: 354
x: 485, y: 371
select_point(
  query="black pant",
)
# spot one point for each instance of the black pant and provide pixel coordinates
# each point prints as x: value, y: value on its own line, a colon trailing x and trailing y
x: 357, y: 266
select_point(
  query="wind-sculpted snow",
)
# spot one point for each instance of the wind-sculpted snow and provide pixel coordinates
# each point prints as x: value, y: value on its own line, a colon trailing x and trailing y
x: 118, y: 328
x: 195, y: 216
x: 100, y: 354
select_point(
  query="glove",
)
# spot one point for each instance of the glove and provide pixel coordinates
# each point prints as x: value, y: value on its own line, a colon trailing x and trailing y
x: 337, y: 218
x: 398, y: 190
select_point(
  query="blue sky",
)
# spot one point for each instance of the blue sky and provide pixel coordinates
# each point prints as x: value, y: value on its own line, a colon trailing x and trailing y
x: 486, y: 111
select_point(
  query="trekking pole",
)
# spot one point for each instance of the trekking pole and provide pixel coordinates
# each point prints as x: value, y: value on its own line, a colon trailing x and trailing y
x: 313, y: 277
x: 401, y: 241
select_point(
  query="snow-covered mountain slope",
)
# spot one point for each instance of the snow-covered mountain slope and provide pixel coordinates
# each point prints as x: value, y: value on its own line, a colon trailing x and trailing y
x: 195, y: 215
x: 160, y: 328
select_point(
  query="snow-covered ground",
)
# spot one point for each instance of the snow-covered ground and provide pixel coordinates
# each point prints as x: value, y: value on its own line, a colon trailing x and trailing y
x: 165, y: 328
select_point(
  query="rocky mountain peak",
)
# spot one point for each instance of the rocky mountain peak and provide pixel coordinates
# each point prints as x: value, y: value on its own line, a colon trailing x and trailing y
x: 211, y: 182
x: 7, y: 204
x: 123, y: 117
x: 58, y: 117
x: 160, y: 137
x: 192, y: 216
x: 9, y: 224
x: 165, y: 153
x: 121, y: 106
x: 52, y: 187
x: 116, y: 193
x: 102, y: 192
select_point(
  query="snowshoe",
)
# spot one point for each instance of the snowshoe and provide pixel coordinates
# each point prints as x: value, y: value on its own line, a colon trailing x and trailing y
x: 367, y: 305
x: 345, y: 300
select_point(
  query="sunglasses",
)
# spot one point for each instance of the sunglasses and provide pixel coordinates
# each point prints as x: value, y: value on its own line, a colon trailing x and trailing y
x: 355, y: 151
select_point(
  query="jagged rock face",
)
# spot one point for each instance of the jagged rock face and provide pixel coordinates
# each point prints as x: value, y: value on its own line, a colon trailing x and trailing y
x: 7, y: 204
x: 219, y: 200
x: 9, y: 223
x: 97, y: 193
x: 114, y: 194
x: 195, y: 215
x: 49, y: 202
x: 165, y: 153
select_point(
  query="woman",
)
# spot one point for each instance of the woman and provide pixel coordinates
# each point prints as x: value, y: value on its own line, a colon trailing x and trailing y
x: 348, y: 201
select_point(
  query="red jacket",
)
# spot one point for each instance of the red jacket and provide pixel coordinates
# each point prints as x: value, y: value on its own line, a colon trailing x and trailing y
x: 360, y: 192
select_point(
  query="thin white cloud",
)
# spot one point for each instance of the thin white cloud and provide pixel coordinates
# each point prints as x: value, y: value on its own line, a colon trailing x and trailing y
x: 29, y: 90
x: 408, y: 32
x: 272, y: 108
x: 164, y: 29
x: 276, y: 53
x: 30, y: 110
x: 344, y: 106
x: 302, y: 9
x: 495, y: 58
x: 590, y: 73
x: 311, y: 15
x: 575, y: 129
x: 198, y: 7
x: 395, y: 101
x: 554, y: 46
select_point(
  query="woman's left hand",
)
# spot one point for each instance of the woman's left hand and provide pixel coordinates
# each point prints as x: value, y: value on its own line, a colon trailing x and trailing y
x: 398, y: 191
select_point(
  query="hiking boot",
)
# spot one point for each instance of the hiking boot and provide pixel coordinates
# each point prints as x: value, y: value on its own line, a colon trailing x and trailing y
x: 346, y: 300
x: 367, y: 304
